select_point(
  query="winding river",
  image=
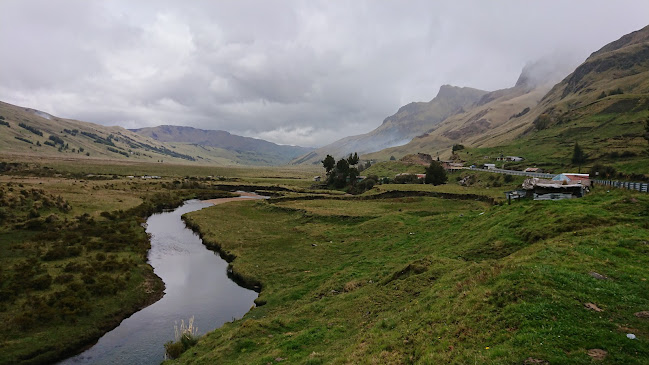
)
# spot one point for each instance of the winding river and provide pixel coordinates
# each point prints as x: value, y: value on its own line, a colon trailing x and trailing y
x: 196, y: 285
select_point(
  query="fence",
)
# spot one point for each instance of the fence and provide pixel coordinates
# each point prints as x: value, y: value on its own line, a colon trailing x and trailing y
x: 643, y: 187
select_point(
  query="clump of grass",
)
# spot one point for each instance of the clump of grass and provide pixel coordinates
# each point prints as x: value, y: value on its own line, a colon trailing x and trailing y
x: 186, y: 337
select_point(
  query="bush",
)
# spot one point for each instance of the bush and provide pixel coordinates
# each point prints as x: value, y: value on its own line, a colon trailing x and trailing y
x: 542, y: 122
x: 407, y: 179
x: 508, y: 179
x: 599, y: 171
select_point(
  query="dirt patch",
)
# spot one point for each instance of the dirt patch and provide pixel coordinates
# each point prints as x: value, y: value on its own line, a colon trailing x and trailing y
x: 643, y: 314
x: 597, y: 354
x: 594, y: 307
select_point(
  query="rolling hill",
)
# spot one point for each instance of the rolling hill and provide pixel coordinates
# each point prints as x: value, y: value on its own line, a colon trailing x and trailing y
x: 30, y: 132
x: 245, y: 148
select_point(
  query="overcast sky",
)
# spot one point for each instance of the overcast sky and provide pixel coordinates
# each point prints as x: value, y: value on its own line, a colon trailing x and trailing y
x: 291, y: 72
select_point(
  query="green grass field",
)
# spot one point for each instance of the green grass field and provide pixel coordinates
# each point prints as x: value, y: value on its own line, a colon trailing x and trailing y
x: 426, y: 280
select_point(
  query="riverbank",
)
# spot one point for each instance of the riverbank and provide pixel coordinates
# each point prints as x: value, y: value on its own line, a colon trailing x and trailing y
x: 178, y: 257
x: 430, y: 280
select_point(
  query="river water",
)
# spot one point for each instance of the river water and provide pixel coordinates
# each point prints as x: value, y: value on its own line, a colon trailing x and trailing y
x: 196, y: 285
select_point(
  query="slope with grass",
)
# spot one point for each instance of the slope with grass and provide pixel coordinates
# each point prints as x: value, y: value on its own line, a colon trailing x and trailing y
x: 602, y: 105
x: 28, y: 132
x: 427, y: 280
x: 244, y: 148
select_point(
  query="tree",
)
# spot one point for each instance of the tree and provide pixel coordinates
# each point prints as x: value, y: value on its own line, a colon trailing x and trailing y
x: 435, y: 174
x: 353, y: 159
x: 328, y: 163
x: 578, y: 156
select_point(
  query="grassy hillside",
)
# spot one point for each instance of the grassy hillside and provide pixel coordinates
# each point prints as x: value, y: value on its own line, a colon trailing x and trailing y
x: 609, y: 130
x: 28, y: 132
x: 427, y: 280
x: 602, y: 105
x: 475, y: 126
x: 253, y: 150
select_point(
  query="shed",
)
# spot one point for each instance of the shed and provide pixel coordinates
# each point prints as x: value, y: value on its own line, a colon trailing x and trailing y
x: 542, y: 189
x: 489, y: 166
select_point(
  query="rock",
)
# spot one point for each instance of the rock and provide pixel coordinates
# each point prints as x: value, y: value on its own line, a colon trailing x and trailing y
x: 279, y: 359
x: 597, y: 275
x: 593, y: 307
x: 643, y: 314
x: 314, y: 245
x: 630, y: 336
x: 597, y: 354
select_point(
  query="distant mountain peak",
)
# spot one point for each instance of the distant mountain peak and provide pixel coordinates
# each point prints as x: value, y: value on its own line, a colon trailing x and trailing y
x: 547, y: 70
x: 452, y: 92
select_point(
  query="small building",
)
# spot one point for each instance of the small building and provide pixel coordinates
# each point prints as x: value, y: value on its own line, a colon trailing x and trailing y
x: 542, y: 189
x: 452, y: 166
x: 534, y: 169
x: 510, y: 158
x: 573, y: 178
x: 489, y: 166
x: 317, y: 178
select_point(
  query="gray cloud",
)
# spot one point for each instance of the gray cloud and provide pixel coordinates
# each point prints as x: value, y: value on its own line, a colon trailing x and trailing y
x: 293, y: 72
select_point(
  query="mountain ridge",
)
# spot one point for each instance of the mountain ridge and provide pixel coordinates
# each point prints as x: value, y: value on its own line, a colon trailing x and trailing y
x: 28, y: 131
x: 409, y: 121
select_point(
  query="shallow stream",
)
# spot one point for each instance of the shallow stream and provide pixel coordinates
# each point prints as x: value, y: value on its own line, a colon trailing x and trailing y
x: 196, y: 285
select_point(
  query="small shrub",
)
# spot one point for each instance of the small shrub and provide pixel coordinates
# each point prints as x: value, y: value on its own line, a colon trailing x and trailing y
x: 542, y: 122
x: 186, y: 337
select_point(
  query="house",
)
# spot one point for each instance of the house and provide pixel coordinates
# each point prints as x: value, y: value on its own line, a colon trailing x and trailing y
x: 317, y: 178
x: 542, y: 189
x: 452, y: 166
x: 489, y: 166
x: 510, y: 158
x: 573, y: 178
x: 534, y: 169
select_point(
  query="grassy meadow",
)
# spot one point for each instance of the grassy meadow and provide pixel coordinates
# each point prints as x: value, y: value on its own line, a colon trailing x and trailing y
x: 400, y: 274
x: 73, y: 252
x: 434, y: 281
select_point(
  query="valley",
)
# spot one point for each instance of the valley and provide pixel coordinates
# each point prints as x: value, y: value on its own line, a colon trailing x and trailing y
x: 403, y: 245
